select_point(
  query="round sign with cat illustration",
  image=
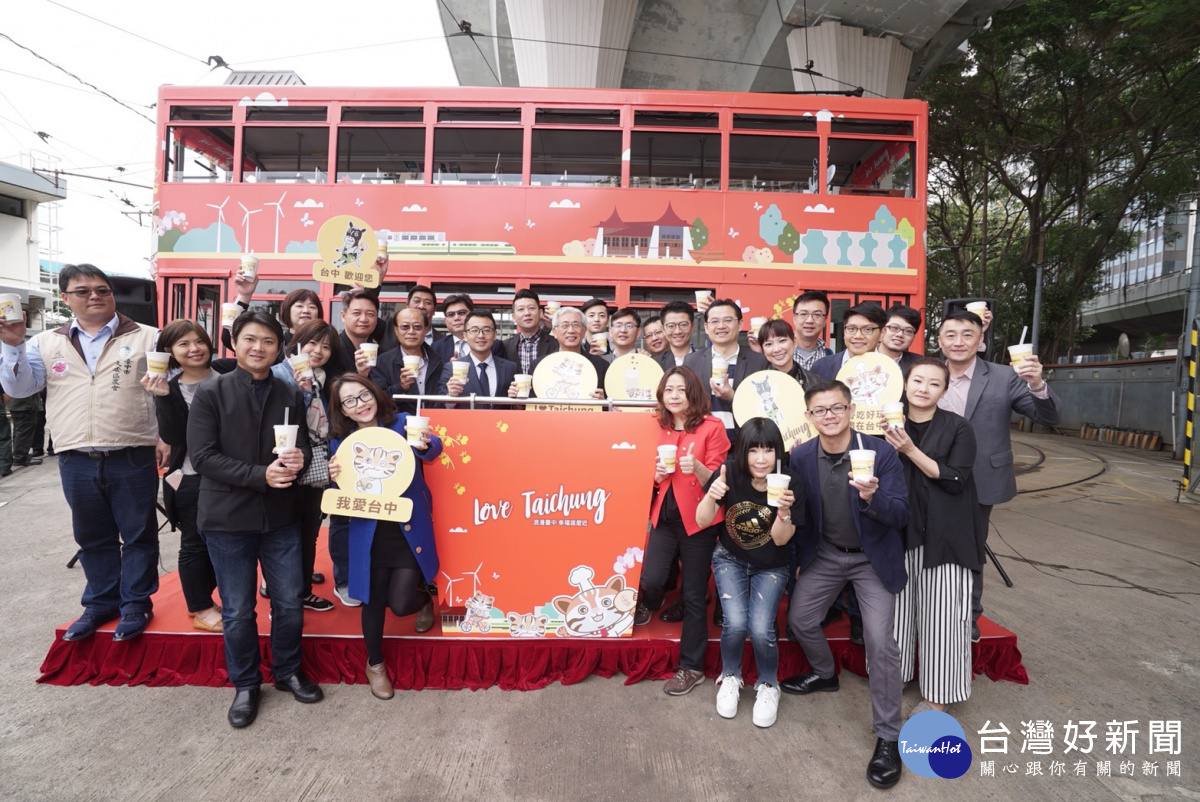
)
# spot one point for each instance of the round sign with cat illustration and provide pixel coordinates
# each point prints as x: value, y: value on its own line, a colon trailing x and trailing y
x: 874, y: 380
x: 633, y: 377
x: 348, y: 249
x: 564, y: 376
x: 774, y: 395
x: 377, y: 466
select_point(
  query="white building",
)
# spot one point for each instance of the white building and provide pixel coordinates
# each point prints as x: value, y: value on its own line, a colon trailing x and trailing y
x: 21, y: 191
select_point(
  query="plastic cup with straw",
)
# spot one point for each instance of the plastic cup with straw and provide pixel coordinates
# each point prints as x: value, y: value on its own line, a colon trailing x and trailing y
x: 776, y: 483
x: 862, y: 461
x: 1018, y: 353
x: 285, y: 434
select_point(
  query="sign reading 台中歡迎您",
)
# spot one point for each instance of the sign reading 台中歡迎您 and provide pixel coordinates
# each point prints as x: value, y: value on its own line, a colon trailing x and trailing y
x: 348, y: 248
x: 540, y: 522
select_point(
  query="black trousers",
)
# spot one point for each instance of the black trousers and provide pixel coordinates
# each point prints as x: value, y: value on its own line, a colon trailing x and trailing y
x: 310, y: 527
x: 24, y: 424
x: 667, y: 542
x: 977, y: 586
x: 196, y: 575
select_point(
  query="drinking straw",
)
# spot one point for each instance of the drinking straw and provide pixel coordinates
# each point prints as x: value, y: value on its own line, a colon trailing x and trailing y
x: 1024, y: 331
x: 860, y: 445
x: 285, y: 415
x: 778, y: 466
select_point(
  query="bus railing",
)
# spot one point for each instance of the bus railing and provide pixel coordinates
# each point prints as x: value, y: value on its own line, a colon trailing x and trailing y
x: 609, y: 403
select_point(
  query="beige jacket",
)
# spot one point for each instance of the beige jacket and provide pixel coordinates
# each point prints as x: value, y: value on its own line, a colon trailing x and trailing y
x: 110, y: 409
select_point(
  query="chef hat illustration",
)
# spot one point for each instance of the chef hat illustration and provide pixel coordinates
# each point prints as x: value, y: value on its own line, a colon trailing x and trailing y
x: 581, y: 577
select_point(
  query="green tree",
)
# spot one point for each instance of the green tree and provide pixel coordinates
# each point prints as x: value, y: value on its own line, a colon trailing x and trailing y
x: 1067, y: 117
x: 699, y: 234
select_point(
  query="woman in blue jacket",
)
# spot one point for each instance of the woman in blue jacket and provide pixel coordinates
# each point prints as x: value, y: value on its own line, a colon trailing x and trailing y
x: 391, y: 565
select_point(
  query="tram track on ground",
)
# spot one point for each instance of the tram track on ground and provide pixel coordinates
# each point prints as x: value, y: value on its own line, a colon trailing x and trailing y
x: 1104, y: 466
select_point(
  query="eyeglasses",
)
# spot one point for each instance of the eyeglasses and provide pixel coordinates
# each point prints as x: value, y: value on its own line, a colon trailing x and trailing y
x: 572, y: 326
x: 476, y: 330
x: 457, y: 313
x: 809, y: 315
x: 836, y: 409
x: 364, y: 397
x: 861, y: 329
x: 894, y: 329
x: 722, y: 321
x: 408, y: 327
x: 684, y: 326
x: 99, y: 292
x: 623, y: 326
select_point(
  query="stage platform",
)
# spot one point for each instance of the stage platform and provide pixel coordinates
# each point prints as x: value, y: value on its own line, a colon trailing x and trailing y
x: 173, y: 652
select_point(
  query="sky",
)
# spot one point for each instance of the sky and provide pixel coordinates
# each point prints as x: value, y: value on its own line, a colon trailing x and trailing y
x: 128, y: 48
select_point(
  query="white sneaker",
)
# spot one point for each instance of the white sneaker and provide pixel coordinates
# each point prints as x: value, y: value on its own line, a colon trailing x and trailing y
x: 343, y: 594
x: 766, y: 705
x: 728, y: 695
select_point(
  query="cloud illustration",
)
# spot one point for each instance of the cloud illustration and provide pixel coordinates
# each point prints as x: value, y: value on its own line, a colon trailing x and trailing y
x: 263, y: 99
x: 623, y: 446
x: 820, y: 208
x: 414, y: 207
x: 204, y: 240
x: 564, y: 204
x: 458, y: 530
x: 308, y: 246
x: 309, y: 203
x: 824, y: 115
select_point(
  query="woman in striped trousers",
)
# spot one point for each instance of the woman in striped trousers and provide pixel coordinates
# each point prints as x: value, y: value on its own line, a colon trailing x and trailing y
x: 943, y: 541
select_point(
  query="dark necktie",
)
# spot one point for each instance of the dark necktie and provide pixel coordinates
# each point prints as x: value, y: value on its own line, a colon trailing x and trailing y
x: 484, y: 384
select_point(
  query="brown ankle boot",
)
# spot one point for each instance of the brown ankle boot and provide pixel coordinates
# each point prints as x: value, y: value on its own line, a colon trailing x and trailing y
x: 424, y: 621
x: 377, y: 678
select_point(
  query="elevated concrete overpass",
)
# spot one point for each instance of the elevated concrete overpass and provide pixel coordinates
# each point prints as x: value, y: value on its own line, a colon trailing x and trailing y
x: 886, y: 48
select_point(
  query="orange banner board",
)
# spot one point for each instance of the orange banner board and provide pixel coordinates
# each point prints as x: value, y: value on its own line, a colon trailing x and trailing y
x: 540, y: 522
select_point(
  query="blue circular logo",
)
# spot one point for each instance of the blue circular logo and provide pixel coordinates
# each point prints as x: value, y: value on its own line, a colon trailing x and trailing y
x: 933, y: 744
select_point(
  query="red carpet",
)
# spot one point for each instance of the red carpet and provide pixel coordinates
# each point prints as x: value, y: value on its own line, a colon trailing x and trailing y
x: 172, y: 652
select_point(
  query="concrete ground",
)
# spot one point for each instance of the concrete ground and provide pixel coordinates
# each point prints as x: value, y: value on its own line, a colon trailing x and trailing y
x: 1104, y: 606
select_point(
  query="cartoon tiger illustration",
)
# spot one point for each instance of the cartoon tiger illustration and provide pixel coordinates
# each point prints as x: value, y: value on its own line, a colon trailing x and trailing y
x: 867, y: 387
x: 567, y: 384
x: 351, y: 251
x: 529, y: 625
x: 479, y: 613
x: 767, y: 408
x: 373, y: 466
x: 595, y: 612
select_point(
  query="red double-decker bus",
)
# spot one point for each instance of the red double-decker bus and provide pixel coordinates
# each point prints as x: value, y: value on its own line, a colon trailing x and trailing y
x: 638, y: 197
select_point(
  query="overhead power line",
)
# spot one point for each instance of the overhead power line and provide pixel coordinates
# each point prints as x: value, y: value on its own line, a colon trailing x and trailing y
x: 154, y: 42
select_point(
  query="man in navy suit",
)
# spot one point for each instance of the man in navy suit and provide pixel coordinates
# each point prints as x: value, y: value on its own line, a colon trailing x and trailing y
x: 455, y: 310
x: 489, y: 375
x: 853, y: 530
x: 389, y: 373
x: 862, y: 326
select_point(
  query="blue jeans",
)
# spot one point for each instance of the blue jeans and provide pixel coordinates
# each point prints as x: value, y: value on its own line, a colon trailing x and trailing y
x: 235, y: 557
x: 339, y: 548
x: 750, y: 598
x: 113, y: 498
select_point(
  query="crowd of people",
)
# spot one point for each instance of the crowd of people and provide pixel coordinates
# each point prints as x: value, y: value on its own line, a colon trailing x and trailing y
x: 906, y: 538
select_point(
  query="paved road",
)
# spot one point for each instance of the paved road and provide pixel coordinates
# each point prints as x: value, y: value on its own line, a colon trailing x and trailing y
x: 1104, y: 605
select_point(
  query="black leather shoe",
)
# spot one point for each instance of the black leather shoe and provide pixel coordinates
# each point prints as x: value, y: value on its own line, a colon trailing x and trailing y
x: 674, y: 613
x: 856, y: 630
x: 27, y: 461
x: 304, y: 689
x: 803, y: 684
x: 975, y: 633
x: 244, y: 708
x: 884, y: 769
x: 641, y: 615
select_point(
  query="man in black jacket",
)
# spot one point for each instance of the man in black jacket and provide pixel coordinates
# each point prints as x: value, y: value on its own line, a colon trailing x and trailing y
x: 248, y: 511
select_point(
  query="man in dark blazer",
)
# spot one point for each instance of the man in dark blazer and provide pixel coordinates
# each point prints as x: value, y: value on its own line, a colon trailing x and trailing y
x: 249, y: 510
x: 898, y: 334
x: 455, y: 310
x: 678, y: 321
x: 862, y: 326
x: 389, y: 373
x: 532, y: 340
x: 722, y: 322
x: 987, y: 395
x: 853, y: 530
x: 570, y: 329
x: 489, y: 375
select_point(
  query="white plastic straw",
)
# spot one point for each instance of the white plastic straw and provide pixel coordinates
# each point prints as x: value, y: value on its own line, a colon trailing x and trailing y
x: 285, y: 415
x: 860, y: 445
x: 778, y: 466
x: 1024, y: 331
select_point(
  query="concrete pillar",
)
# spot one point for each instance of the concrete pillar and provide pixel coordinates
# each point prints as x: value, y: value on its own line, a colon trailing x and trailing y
x: 878, y: 64
x: 598, y: 23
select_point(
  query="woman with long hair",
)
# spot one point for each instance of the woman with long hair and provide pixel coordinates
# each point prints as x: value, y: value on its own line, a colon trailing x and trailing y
x: 944, y: 540
x: 685, y: 419
x: 190, y: 350
x: 319, y: 341
x: 752, y: 561
x: 389, y: 568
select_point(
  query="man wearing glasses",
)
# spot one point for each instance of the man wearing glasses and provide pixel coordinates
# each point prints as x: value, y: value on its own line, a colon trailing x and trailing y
x: 898, y: 334
x: 390, y: 373
x: 488, y: 375
x: 455, y: 310
x: 722, y: 322
x: 623, y: 328
x: 809, y: 313
x: 862, y: 327
x: 678, y: 319
x: 851, y: 532
x: 105, y: 432
x: 569, y: 329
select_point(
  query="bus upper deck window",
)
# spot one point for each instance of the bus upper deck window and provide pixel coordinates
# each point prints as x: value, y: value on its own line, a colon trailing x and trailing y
x: 675, y: 159
x: 381, y: 155
x: 285, y: 155
x: 871, y: 167
x: 575, y: 158
x: 774, y: 163
x: 199, y: 153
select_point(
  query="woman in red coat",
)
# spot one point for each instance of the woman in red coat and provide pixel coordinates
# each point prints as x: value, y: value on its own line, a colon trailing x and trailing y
x: 701, y: 446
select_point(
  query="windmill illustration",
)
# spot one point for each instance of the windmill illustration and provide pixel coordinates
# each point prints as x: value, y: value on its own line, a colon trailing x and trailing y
x: 474, y: 578
x: 278, y: 216
x: 220, y: 219
x: 450, y: 587
x: 246, y: 223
